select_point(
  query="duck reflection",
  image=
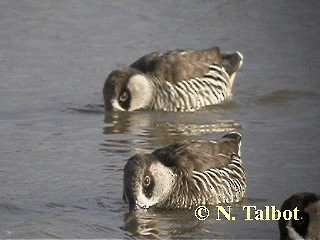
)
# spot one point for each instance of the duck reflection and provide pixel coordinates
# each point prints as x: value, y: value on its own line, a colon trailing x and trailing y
x: 141, y: 225
x: 164, y: 224
x: 166, y: 128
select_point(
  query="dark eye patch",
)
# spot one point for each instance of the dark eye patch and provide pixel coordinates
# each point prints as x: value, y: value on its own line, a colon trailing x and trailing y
x: 301, y: 225
x: 146, y: 181
x: 124, y: 99
x: 123, y: 96
x: 148, y: 185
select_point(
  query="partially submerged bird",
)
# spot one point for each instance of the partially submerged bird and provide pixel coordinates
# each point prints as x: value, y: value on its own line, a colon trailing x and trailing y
x: 308, y: 224
x: 180, y: 80
x: 186, y: 174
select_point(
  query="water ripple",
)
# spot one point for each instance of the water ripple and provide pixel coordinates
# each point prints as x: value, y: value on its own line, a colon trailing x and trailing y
x: 283, y: 96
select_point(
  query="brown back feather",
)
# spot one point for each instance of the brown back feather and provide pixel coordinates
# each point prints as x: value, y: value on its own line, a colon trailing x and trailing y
x: 178, y: 65
x: 200, y: 155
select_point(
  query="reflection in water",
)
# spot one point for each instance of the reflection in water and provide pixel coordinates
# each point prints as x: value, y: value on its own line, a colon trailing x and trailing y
x: 89, y: 109
x: 164, y: 224
x: 141, y: 224
x: 164, y: 128
x: 183, y: 223
x: 128, y: 122
x: 199, y: 129
x: 283, y: 96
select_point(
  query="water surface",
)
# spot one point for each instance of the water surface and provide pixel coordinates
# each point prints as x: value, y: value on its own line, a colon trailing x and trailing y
x: 62, y: 159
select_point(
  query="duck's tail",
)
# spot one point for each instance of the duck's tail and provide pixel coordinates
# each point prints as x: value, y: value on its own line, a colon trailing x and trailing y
x: 232, y: 63
x: 237, y: 139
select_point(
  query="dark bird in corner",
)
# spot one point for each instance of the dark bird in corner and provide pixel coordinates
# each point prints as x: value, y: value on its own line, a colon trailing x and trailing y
x: 307, y: 226
x: 186, y: 174
x: 180, y: 80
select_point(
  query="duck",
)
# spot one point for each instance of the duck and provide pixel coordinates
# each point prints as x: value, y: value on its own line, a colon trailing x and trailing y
x: 183, y: 80
x: 186, y: 174
x: 307, y: 226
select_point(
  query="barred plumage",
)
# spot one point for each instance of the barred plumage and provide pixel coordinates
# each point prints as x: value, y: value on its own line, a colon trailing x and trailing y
x: 193, y: 94
x: 180, y: 80
x: 186, y: 174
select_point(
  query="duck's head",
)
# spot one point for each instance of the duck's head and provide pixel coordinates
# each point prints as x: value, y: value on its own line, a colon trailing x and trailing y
x: 127, y: 89
x: 147, y: 182
x: 307, y: 226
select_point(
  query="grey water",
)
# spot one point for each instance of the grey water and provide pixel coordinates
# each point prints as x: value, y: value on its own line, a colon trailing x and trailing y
x: 62, y: 158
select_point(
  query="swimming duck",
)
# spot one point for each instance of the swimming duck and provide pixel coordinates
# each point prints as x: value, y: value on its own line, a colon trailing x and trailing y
x: 186, y: 174
x: 308, y: 225
x: 179, y: 80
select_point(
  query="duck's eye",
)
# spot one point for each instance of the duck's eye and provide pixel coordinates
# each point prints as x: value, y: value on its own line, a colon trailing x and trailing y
x: 146, y: 181
x: 302, y: 218
x: 124, y: 96
x: 301, y: 225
